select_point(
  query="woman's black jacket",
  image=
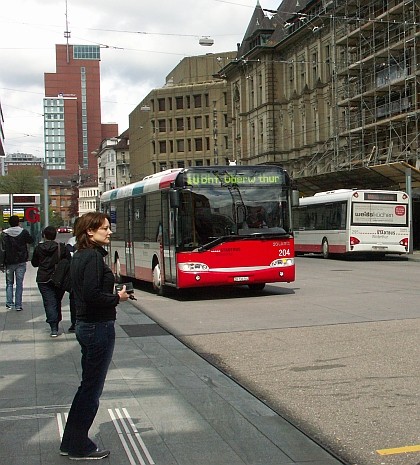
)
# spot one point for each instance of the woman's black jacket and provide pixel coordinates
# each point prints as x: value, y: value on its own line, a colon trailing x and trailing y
x: 92, y: 283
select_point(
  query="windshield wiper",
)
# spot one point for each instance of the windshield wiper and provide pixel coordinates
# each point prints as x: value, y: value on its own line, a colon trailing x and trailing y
x: 264, y: 234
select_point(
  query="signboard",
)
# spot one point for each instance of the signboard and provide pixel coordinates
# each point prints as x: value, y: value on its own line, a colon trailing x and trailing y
x: 375, y: 213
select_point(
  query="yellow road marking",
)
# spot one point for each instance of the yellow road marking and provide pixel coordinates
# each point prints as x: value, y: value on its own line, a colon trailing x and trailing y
x: 399, y: 450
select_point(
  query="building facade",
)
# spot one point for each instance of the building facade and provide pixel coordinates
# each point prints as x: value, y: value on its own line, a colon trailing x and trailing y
x: 185, y: 123
x: 72, y: 116
x: 16, y: 160
x: 88, y: 200
x: 72, y: 111
x: 331, y: 87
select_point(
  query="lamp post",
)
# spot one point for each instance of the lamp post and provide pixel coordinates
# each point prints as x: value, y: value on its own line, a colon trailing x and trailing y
x: 46, y: 199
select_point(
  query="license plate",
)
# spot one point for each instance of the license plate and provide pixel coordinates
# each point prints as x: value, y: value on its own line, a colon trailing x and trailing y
x: 379, y: 248
x: 241, y: 278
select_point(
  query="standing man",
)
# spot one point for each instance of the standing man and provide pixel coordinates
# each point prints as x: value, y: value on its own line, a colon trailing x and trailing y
x: 16, y: 255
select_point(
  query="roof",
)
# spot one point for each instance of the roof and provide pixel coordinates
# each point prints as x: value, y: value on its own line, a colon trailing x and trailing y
x: 385, y: 176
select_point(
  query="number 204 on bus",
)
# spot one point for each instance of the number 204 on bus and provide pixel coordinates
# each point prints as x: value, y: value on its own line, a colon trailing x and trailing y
x: 204, y: 226
x: 348, y: 221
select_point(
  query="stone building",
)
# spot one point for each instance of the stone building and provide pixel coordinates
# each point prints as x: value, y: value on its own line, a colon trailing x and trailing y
x: 185, y: 123
x: 328, y: 86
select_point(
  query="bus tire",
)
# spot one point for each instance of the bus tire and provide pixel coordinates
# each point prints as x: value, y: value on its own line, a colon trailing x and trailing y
x: 158, y: 287
x: 117, y: 271
x: 325, y: 248
x: 256, y: 287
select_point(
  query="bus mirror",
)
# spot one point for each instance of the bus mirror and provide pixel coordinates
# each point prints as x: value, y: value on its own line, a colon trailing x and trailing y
x: 295, y: 198
x: 174, y: 198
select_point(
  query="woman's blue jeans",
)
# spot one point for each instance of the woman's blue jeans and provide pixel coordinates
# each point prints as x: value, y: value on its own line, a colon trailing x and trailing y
x: 97, y: 341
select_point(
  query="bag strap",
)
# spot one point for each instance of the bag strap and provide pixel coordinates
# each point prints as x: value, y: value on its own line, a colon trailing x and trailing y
x: 58, y: 253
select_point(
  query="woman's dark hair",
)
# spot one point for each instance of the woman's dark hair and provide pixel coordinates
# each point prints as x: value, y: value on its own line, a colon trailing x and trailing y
x: 50, y: 233
x: 93, y: 221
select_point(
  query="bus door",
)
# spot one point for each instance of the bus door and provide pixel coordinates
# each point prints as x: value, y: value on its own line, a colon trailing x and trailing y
x: 168, y: 240
x: 128, y: 237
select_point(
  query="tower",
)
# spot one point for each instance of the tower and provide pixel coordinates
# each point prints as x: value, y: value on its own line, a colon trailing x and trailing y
x: 72, y: 111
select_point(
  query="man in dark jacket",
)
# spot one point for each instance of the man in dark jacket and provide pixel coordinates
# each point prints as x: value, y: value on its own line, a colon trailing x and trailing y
x: 46, y: 256
x: 15, y: 240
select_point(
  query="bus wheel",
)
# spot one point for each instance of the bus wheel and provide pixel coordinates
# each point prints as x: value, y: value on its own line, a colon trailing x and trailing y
x: 256, y: 287
x: 325, y: 248
x: 117, y: 271
x: 157, y: 281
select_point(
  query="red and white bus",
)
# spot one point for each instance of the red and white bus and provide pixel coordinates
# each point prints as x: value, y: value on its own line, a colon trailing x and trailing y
x: 349, y: 221
x: 204, y: 226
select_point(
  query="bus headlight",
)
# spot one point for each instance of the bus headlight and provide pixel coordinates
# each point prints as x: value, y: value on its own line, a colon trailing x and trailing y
x: 192, y: 266
x: 282, y: 262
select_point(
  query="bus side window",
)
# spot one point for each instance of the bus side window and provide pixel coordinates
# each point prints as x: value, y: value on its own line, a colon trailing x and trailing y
x: 139, y: 218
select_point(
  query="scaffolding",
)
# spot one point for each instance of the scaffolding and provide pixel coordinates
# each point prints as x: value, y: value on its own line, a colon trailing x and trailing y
x: 377, y: 82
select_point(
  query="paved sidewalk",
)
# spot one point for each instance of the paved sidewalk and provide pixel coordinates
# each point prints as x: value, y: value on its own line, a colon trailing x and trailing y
x: 162, y: 404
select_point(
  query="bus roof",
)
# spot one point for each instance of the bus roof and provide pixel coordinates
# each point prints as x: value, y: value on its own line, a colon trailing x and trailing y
x: 242, y: 175
x: 340, y: 194
x: 151, y: 183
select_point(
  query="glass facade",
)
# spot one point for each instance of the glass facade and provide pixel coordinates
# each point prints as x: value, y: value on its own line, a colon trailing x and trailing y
x: 86, y: 52
x: 54, y: 136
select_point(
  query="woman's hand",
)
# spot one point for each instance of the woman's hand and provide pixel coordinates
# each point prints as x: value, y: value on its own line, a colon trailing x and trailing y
x: 123, y: 294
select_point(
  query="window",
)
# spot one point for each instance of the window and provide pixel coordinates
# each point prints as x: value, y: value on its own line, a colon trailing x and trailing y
x: 198, y: 144
x: 161, y: 104
x: 208, y: 143
x: 162, y: 146
x: 86, y: 52
x: 197, y: 101
x: 206, y: 99
x: 181, y: 164
x: 314, y: 68
x: 207, y: 121
x: 180, y: 145
x: 188, y: 98
x: 199, y: 163
x: 188, y: 123
x: 179, y: 124
x: 162, y: 125
x: 179, y: 103
x: 198, y: 122
x: 170, y: 103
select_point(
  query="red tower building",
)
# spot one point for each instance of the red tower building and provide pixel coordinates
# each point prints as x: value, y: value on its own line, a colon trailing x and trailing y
x: 72, y: 112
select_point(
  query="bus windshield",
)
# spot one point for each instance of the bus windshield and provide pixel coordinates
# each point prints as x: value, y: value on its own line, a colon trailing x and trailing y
x: 210, y: 213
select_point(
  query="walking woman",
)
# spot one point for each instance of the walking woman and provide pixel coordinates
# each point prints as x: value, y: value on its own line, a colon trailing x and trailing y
x: 93, y: 287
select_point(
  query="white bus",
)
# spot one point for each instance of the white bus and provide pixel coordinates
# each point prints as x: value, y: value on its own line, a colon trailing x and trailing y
x: 349, y: 221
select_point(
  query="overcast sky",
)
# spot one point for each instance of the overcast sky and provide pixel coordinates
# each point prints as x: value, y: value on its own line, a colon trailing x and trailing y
x: 141, y: 42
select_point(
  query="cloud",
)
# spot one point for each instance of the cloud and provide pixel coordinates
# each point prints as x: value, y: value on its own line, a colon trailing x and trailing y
x: 141, y: 43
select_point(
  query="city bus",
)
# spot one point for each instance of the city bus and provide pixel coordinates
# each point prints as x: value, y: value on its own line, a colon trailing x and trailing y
x: 352, y: 221
x: 203, y: 226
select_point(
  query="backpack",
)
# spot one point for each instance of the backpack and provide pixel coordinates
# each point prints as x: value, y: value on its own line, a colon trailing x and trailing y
x: 61, y: 273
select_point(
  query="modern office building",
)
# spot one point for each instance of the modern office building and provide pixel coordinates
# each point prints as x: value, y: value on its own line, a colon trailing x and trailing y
x: 72, y: 111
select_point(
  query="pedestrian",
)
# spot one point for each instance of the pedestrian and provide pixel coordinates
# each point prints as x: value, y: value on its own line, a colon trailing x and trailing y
x: 71, y: 246
x: 92, y: 282
x: 46, y: 256
x: 15, y: 240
